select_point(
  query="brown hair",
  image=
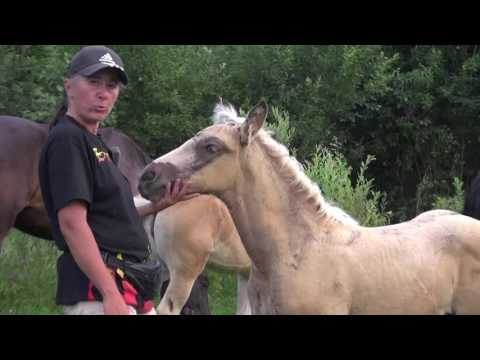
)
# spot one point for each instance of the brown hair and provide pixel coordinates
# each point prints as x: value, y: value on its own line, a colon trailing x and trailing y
x: 62, y: 110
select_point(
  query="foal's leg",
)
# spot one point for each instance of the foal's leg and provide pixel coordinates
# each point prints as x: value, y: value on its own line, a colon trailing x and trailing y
x: 177, y: 293
x: 243, y: 303
x: 184, y: 269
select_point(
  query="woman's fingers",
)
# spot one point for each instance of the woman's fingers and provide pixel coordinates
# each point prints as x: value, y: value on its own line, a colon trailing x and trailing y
x: 168, y: 192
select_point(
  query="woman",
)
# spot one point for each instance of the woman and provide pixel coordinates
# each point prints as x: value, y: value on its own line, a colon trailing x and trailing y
x: 88, y: 200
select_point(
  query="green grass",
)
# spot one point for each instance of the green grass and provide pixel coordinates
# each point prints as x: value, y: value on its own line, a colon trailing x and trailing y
x: 28, y: 279
x: 28, y: 276
x: 222, y: 295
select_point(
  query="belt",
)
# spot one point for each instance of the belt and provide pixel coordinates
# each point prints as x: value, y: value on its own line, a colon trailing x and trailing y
x: 120, y: 257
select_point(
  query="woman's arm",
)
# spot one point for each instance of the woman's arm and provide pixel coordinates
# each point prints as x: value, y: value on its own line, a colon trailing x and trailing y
x: 84, y: 249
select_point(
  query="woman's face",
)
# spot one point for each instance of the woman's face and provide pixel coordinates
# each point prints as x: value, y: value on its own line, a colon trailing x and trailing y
x: 91, y: 99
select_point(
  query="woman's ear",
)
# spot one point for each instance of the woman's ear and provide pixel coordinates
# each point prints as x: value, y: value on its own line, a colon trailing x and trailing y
x: 67, y: 84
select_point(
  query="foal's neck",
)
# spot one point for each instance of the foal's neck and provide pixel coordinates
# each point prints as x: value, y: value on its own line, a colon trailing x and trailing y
x: 269, y: 215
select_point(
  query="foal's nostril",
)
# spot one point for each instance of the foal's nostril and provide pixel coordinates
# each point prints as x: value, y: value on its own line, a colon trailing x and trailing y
x: 148, y: 176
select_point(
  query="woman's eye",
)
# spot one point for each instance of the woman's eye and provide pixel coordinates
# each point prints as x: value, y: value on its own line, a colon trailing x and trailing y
x: 113, y: 85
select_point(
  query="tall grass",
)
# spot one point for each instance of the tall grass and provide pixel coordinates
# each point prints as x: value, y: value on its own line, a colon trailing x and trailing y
x: 222, y: 291
x: 28, y: 279
x: 28, y: 276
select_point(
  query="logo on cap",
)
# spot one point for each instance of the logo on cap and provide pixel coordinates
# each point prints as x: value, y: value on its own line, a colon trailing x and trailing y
x: 108, y: 60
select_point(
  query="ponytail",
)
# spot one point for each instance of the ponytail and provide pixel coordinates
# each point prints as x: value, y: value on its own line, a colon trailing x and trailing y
x: 60, y: 112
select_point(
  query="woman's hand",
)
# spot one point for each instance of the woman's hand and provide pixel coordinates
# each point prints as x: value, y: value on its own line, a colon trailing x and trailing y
x: 176, y: 191
x: 114, y: 304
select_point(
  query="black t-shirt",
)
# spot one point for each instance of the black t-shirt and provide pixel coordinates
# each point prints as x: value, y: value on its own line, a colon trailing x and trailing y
x: 77, y: 165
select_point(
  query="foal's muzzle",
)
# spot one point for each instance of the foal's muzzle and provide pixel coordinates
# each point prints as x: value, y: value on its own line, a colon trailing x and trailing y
x: 148, y: 177
x: 153, y: 182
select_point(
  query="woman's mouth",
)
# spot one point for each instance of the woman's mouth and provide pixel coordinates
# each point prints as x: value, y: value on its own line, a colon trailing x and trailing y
x: 101, y: 110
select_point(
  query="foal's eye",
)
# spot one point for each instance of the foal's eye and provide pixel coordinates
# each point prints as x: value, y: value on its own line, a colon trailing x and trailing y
x: 212, y: 148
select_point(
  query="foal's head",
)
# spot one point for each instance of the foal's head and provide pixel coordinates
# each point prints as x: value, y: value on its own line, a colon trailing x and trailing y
x: 211, y: 160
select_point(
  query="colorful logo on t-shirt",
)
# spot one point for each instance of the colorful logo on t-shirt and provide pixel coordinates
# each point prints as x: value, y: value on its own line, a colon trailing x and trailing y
x: 101, y: 155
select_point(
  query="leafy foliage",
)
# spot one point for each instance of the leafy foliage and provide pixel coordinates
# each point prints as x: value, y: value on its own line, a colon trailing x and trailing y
x: 415, y: 108
x: 454, y: 202
x: 281, y: 128
x: 330, y: 170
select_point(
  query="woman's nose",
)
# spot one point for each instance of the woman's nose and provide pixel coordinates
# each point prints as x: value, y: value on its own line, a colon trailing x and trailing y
x: 102, y: 92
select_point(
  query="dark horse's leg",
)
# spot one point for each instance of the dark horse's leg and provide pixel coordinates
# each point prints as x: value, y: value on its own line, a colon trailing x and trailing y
x: 11, y: 203
x: 7, y: 219
x: 197, y: 303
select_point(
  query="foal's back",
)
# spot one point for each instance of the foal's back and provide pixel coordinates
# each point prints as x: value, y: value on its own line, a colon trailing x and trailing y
x: 430, y: 264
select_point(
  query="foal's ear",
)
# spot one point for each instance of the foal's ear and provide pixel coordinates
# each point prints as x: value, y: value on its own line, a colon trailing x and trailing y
x: 254, y: 122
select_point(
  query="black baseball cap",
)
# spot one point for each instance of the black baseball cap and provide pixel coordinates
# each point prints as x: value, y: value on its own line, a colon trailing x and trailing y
x: 91, y: 59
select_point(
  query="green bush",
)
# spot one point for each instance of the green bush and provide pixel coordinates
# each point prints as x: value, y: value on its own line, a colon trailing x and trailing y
x: 454, y: 202
x: 330, y: 170
x: 281, y: 128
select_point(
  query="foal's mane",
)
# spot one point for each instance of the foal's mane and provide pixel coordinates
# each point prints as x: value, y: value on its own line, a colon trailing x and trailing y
x: 289, y: 167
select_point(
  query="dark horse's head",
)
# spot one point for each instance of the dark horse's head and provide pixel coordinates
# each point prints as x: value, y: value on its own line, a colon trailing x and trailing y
x: 129, y: 157
x: 472, y: 199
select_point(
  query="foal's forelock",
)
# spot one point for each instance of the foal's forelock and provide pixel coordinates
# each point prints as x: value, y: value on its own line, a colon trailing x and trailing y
x: 224, y: 114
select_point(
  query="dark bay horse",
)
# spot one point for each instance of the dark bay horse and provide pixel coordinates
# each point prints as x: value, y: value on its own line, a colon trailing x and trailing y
x: 472, y: 199
x: 21, y: 203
